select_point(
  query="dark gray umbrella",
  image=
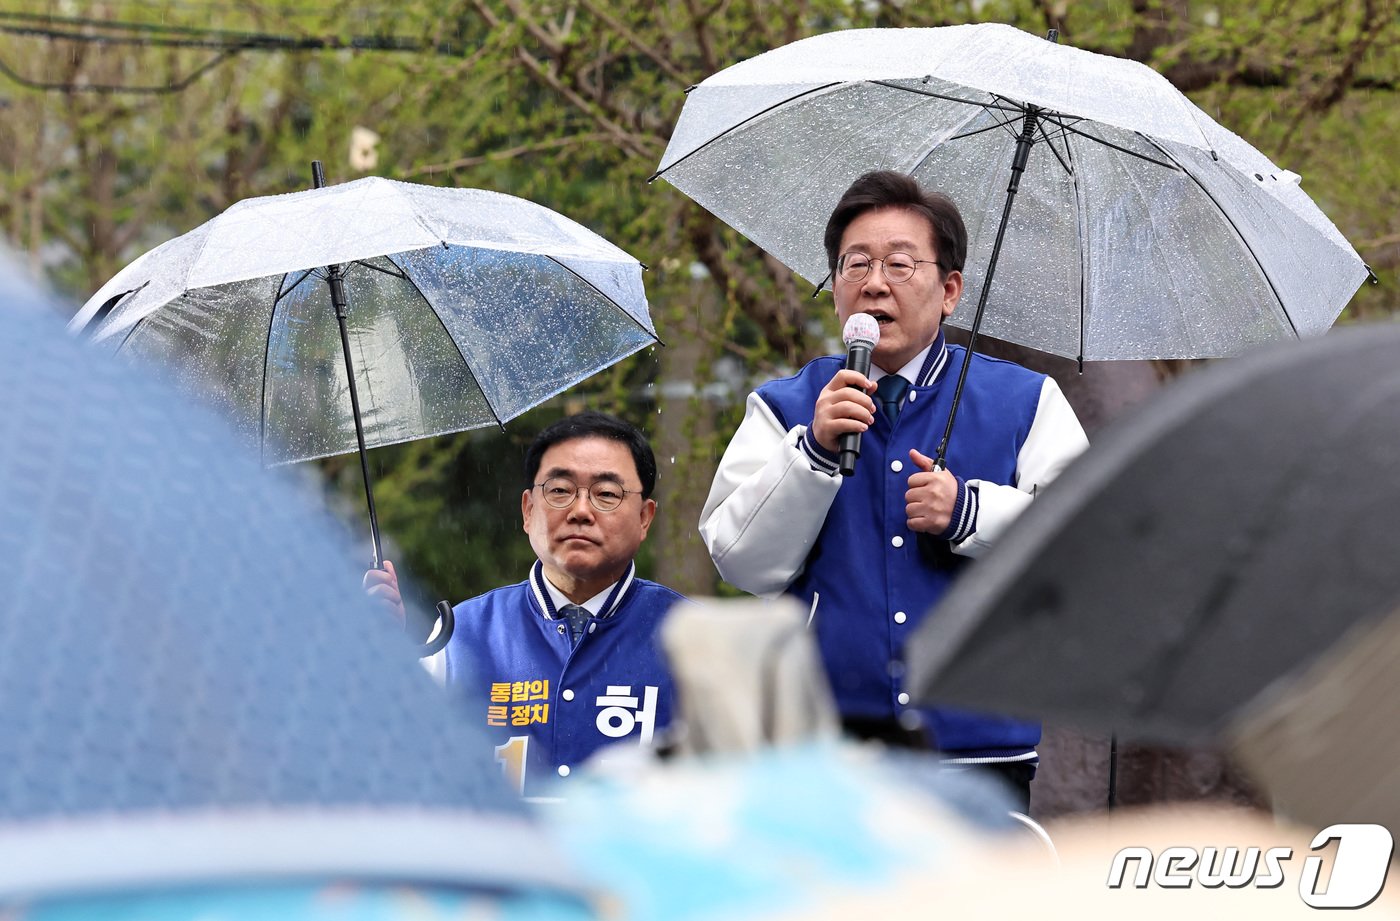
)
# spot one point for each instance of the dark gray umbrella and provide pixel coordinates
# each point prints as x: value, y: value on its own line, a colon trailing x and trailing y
x: 1196, y: 558
x: 193, y: 689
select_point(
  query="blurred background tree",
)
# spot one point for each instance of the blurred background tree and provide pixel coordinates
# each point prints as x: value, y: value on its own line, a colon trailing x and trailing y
x: 126, y: 122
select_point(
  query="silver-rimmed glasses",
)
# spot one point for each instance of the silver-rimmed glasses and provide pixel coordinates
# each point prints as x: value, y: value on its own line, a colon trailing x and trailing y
x: 605, y: 495
x: 898, y: 267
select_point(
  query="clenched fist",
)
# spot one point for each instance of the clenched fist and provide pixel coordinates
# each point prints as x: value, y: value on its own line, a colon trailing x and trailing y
x: 932, y: 493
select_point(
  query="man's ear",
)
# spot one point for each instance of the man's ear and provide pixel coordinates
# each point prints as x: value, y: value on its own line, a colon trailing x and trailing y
x: 648, y: 515
x: 526, y: 506
x: 952, y: 292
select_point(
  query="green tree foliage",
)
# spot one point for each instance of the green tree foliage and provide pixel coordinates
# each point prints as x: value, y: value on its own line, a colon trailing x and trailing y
x: 570, y: 103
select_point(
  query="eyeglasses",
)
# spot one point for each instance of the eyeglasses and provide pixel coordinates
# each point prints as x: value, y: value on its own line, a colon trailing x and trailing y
x: 604, y: 495
x: 899, y: 267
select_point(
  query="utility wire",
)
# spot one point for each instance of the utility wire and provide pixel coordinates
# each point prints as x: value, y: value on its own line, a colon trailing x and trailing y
x: 163, y: 35
x: 225, y: 43
x: 105, y: 88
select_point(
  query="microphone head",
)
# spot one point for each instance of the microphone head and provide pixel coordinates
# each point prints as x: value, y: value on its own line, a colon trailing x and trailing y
x: 862, y: 329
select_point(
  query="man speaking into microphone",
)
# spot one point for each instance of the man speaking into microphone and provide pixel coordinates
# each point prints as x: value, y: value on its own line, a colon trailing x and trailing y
x: 867, y: 553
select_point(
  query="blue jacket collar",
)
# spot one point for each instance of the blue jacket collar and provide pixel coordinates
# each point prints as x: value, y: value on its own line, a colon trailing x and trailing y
x: 614, y: 601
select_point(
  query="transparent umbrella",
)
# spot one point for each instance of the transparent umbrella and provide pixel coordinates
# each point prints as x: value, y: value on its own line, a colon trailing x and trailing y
x: 1146, y: 230
x: 376, y: 312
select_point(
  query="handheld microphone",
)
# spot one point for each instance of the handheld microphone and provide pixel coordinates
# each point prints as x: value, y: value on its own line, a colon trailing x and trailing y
x: 861, y: 335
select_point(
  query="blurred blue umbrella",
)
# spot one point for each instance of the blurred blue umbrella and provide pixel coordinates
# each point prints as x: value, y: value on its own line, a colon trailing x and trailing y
x: 441, y: 310
x: 176, y: 707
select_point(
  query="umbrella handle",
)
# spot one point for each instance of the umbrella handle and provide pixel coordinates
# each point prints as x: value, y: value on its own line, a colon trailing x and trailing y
x: 448, y: 624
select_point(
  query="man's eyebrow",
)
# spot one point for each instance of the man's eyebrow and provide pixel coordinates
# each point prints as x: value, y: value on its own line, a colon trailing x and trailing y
x: 899, y: 245
x: 566, y: 472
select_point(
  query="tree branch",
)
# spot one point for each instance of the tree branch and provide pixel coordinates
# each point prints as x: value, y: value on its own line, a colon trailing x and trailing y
x: 625, y: 139
x: 509, y: 153
x: 777, y: 317
x: 551, y: 44
x: 698, y: 22
x: 636, y: 42
x: 1345, y: 76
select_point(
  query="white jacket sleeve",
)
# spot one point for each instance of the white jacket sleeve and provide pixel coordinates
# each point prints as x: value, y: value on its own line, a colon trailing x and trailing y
x: 1055, y: 439
x: 766, y: 505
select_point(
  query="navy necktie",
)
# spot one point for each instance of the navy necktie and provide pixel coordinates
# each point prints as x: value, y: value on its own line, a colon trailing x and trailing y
x: 890, y: 390
x: 577, y: 617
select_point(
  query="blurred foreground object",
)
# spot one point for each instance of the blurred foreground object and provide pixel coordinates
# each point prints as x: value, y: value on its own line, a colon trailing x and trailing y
x: 1178, y: 582
x: 748, y: 676
x: 1010, y: 880
x: 193, y: 691
x: 716, y: 838
x: 762, y: 809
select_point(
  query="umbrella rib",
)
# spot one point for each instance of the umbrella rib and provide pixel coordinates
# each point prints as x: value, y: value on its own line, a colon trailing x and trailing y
x: 654, y: 336
x: 924, y: 159
x: 1121, y: 149
x: 1243, y: 240
x: 450, y: 338
x: 103, y: 312
x: 131, y: 332
x: 267, y: 352
x: 1009, y: 107
x: 283, y: 292
x: 735, y: 127
x: 1048, y: 143
x: 369, y: 265
x: 1081, y: 224
x: 968, y: 134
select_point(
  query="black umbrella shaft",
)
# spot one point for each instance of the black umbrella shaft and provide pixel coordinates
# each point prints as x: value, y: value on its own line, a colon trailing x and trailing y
x: 337, y: 286
x: 1018, y: 166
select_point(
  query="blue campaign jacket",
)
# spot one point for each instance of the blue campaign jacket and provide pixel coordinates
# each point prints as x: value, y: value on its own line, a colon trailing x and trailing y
x: 870, y: 595
x: 551, y: 705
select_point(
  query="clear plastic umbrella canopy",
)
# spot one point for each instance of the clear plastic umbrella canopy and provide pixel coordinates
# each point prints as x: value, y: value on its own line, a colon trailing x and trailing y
x: 194, y: 691
x: 465, y: 308
x: 1143, y: 229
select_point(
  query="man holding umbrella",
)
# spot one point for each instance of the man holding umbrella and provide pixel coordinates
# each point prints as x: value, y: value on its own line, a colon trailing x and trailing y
x: 868, y: 554
x: 568, y: 660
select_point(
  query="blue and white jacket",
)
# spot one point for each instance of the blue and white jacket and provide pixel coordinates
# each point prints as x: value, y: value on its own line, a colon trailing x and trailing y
x: 780, y: 519
x: 550, y: 704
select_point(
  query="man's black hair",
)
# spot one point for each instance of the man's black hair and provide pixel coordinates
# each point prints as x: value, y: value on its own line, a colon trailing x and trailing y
x: 590, y: 424
x: 889, y: 189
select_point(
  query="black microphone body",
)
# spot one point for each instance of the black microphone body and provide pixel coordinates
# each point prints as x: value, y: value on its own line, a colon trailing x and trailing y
x: 857, y: 359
